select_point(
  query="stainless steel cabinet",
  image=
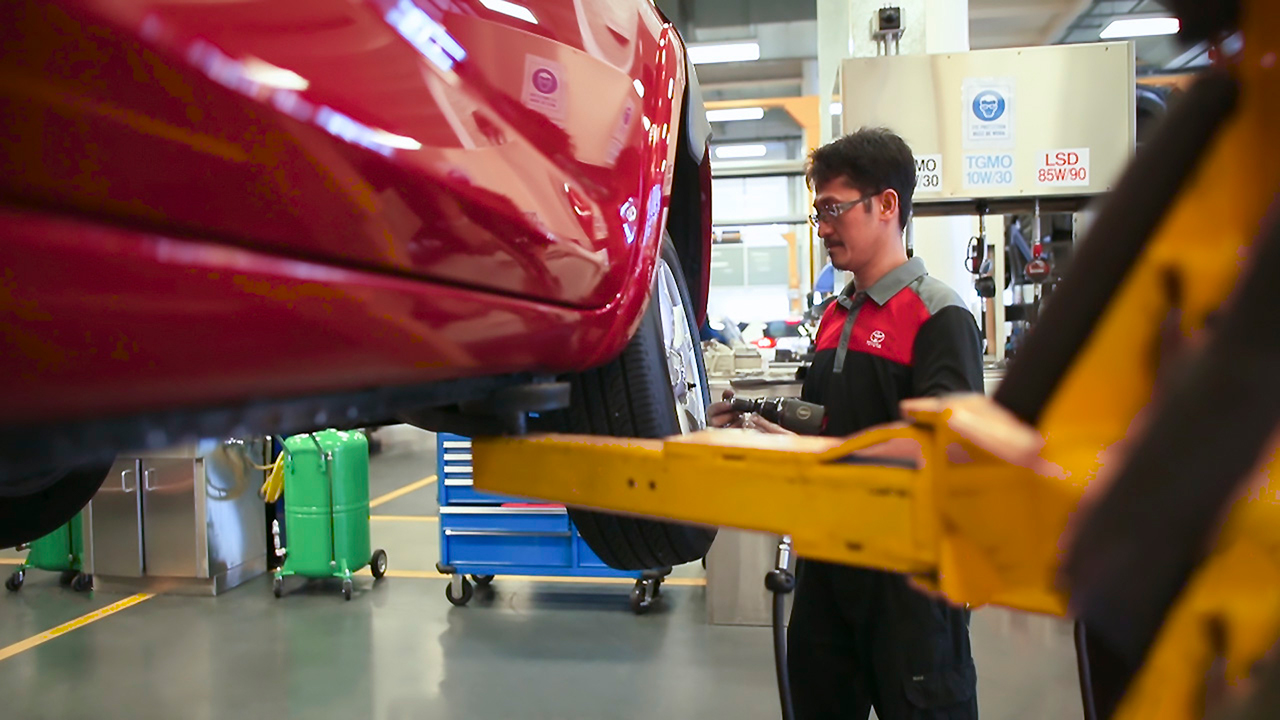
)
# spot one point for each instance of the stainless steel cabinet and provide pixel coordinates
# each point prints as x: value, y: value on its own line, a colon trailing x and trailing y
x: 169, y: 516
x: 187, y: 519
x: 116, y: 513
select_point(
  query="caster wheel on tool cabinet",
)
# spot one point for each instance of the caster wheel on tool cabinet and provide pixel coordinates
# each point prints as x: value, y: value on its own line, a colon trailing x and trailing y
x: 467, y: 593
x: 14, y: 583
x: 82, y: 582
x: 67, y: 577
x: 277, y: 586
x: 482, y: 580
x: 378, y: 564
x: 640, y: 601
x: 347, y: 588
x: 644, y: 596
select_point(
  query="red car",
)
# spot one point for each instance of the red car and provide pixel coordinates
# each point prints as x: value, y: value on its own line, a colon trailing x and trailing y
x: 272, y: 216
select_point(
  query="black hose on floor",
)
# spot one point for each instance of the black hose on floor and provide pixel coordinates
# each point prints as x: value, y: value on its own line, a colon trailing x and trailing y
x: 780, y: 652
x: 780, y: 581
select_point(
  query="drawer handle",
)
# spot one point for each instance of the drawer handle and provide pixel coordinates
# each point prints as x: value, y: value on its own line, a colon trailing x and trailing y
x: 506, y: 533
x: 508, y: 511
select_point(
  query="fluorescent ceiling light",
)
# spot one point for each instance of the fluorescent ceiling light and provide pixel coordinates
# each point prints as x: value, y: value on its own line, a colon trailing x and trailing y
x: 518, y: 12
x: 732, y: 114
x: 736, y: 152
x: 1141, y: 27
x: 724, y: 52
x: 836, y: 108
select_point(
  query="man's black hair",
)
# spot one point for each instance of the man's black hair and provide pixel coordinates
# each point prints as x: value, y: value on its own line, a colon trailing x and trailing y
x: 872, y: 160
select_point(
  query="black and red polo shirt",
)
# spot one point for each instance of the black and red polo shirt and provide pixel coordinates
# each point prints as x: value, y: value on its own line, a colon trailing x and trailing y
x: 907, y: 336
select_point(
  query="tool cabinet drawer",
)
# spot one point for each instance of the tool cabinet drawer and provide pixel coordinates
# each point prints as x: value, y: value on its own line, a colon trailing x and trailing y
x: 509, y: 520
x: 462, y: 492
x: 472, y: 548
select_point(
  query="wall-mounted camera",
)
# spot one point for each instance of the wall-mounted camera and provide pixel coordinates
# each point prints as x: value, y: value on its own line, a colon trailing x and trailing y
x: 887, y: 28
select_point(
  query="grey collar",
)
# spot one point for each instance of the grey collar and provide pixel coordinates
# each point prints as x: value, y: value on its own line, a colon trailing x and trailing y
x: 896, y: 280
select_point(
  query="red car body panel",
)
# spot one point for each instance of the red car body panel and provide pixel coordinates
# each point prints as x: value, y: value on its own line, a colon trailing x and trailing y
x: 210, y: 202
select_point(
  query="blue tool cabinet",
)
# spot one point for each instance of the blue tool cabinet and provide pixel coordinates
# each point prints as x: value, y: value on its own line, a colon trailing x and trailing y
x: 484, y: 535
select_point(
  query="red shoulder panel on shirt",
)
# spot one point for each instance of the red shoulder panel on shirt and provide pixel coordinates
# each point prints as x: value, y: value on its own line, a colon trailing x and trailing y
x: 829, y: 327
x: 887, y: 331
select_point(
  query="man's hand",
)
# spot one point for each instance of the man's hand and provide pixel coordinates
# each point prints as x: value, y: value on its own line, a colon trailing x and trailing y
x: 752, y: 421
x: 722, y: 415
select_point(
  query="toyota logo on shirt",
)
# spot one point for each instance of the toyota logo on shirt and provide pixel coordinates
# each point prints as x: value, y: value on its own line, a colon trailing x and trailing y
x: 876, y: 339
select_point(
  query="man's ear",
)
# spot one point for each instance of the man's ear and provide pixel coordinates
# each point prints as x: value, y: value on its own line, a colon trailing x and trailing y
x: 889, y: 202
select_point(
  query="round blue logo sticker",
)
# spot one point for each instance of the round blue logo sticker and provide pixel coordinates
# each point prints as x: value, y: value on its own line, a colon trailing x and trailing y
x: 989, y: 106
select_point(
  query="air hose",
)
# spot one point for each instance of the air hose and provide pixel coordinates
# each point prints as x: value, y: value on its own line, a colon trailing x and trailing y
x: 780, y: 581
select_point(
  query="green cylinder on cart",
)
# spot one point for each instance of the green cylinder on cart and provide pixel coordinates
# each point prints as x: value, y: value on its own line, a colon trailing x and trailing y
x: 326, y: 503
x: 61, y: 549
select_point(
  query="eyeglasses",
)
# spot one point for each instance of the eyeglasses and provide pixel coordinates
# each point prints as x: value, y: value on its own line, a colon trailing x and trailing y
x: 831, y: 212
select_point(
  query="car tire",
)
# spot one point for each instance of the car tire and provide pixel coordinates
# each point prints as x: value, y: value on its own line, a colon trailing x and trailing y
x: 24, y: 518
x: 634, y: 396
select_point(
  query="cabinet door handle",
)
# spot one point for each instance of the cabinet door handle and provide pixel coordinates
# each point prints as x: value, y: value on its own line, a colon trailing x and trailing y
x: 146, y: 474
x: 124, y: 482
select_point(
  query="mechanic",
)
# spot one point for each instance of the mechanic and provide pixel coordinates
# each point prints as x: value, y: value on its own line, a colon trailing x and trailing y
x: 861, y: 638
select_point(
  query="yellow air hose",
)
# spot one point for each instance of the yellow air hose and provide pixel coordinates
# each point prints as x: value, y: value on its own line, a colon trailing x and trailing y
x: 274, y: 486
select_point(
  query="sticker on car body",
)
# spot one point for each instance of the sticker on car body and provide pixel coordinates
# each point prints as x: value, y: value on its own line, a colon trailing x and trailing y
x: 544, y: 87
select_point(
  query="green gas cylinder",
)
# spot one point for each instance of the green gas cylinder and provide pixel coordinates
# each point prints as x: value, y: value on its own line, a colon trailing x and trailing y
x: 326, y: 502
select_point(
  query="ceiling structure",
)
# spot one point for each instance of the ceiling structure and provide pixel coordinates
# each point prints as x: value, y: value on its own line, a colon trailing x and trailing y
x: 787, y: 33
x: 1019, y: 23
x: 788, y: 36
x: 1154, y: 53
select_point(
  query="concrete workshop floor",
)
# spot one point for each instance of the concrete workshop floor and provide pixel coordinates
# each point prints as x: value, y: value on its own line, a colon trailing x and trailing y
x: 398, y: 650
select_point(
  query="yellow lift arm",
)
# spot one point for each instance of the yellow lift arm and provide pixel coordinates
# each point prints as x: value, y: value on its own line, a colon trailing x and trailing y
x: 984, y: 531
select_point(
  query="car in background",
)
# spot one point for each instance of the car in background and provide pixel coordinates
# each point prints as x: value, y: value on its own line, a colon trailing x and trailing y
x: 794, y: 338
x: 273, y: 216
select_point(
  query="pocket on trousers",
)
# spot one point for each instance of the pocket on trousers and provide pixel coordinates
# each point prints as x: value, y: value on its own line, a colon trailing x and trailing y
x: 942, y: 688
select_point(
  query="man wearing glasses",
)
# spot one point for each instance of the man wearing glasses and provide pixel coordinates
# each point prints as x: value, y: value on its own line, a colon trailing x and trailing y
x: 860, y: 638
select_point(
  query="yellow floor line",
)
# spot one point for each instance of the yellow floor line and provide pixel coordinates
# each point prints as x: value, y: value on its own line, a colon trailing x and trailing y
x: 406, y: 518
x: 63, y: 629
x: 401, y: 492
x: 10, y: 561
x: 433, y: 575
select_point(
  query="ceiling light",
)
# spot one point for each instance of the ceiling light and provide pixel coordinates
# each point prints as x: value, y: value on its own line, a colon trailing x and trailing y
x: 1141, y: 27
x: 732, y: 114
x: 736, y: 152
x: 724, y: 52
x: 836, y: 108
x: 519, y: 12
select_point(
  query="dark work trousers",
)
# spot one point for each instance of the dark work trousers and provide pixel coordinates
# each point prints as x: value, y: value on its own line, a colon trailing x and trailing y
x: 862, y: 638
